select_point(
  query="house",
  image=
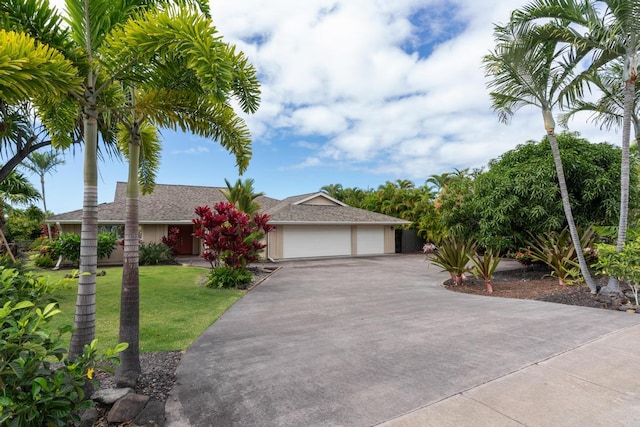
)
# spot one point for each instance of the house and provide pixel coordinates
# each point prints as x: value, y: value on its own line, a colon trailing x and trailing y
x: 309, y: 225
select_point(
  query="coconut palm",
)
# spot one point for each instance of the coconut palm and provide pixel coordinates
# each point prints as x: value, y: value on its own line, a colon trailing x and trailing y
x: 42, y: 164
x: 609, y: 30
x: 540, y: 75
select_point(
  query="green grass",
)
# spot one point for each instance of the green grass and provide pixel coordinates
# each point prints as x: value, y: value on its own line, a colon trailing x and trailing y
x: 174, y: 309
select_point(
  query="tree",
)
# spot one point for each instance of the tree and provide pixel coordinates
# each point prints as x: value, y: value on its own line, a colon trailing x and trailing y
x: 540, y: 74
x: 517, y: 196
x: 608, y: 110
x: 604, y: 31
x: 242, y: 195
x: 168, y: 98
x: 42, y: 164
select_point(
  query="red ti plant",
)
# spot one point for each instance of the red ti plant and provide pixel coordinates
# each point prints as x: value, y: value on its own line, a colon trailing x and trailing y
x: 171, y: 241
x: 230, y: 236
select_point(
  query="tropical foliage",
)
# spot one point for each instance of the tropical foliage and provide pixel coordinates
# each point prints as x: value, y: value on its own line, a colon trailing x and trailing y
x: 230, y: 237
x: 32, y: 390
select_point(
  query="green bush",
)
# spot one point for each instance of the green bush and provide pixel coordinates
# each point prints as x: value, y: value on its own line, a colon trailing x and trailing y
x: 622, y: 265
x: 155, y: 253
x: 7, y: 262
x: 228, y: 277
x: 33, y: 391
x: 44, y: 260
x: 67, y: 245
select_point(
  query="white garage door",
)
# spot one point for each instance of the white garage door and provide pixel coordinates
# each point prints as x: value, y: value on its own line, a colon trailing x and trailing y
x: 370, y: 240
x: 301, y: 241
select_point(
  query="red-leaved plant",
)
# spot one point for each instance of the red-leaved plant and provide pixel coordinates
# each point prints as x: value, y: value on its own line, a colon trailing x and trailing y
x: 230, y: 236
x: 171, y: 241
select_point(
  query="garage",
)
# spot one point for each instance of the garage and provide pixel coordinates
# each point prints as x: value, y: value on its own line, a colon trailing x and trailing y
x: 370, y: 239
x: 304, y: 241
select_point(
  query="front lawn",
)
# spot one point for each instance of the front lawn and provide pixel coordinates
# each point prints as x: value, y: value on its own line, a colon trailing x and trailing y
x: 174, y: 309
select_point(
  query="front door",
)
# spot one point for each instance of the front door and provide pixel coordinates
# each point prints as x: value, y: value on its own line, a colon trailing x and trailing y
x: 185, y: 239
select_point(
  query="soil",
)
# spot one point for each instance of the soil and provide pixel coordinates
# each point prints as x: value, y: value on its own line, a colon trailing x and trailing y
x: 536, y: 283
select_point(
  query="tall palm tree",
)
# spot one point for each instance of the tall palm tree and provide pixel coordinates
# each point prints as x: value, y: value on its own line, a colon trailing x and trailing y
x: 162, y: 102
x: 608, y: 109
x: 540, y: 75
x: 42, y: 164
x: 242, y: 195
x: 93, y: 40
x: 609, y: 30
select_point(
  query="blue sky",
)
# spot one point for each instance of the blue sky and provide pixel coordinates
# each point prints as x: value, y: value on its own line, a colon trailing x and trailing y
x: 355, y: 92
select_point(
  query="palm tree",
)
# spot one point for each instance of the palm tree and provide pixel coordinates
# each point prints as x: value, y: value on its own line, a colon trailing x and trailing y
x: 608, y: 110
x: 540, y: 75
x: 42, y: 164
x: 162, y: 102
x: 607, y: 30
x: 93, y: 40
x: 242, y: 195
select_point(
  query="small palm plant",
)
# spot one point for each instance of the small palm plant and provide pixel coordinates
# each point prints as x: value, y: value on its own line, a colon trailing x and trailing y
x: 453, y: 256
x: 484, y: 266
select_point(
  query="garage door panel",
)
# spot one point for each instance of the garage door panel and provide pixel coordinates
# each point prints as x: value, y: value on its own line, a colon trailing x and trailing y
x: 370, y: 240
x: 311, y: 241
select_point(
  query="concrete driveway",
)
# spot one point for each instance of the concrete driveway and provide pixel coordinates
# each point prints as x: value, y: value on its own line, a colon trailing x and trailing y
x: 360, y: 342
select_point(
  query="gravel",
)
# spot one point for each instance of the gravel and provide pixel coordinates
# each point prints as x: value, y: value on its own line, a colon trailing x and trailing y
x: 158, y: 374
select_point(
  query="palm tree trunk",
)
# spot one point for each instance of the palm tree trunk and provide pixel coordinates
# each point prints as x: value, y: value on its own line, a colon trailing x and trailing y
x: 566, y: 205
x: 85, y: 314
x: 44, y: 203
x: 84, y: 320
x: 130, y: 296
x: 613, y: 286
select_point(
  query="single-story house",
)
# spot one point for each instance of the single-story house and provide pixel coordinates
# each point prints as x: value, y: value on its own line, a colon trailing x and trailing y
x: 309, y: 225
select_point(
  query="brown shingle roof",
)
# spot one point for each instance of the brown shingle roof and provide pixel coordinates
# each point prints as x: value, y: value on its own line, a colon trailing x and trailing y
x: 167, y: 204
x: 176, y: 203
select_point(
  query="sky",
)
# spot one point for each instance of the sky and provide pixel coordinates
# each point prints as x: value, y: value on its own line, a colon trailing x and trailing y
x: 354, y: 92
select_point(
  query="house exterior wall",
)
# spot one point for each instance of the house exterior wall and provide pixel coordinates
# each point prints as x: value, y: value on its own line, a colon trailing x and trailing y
x: 389, y: 239
x: 153, y: 232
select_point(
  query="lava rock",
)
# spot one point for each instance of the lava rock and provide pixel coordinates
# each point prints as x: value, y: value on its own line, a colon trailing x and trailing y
x: 109, y: 396
x: 127, y: 408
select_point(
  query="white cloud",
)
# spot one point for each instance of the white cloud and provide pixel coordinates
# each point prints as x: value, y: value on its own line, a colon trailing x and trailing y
x: 192, y: 150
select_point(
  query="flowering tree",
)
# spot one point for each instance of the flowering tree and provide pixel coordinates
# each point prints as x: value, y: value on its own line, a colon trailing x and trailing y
x: 229, y: 236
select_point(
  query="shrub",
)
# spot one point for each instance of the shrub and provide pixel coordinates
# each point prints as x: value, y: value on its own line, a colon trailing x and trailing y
x: 68, y: 246
x: 621, y: 265
x: 33, y: 391
x: 155, y: 253
x: 228, y: 277
x: 44, y: 260
x: 171, y: 241
x: 230, y: 236
x: 7, y: 262
x: 453, y: 256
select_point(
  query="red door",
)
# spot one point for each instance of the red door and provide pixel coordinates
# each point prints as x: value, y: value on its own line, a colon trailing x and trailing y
x: 185, y: 239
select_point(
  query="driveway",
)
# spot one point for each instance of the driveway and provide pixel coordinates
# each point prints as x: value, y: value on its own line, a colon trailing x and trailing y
x: 358, y: 342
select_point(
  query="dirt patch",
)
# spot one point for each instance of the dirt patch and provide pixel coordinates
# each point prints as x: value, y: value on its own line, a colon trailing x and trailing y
x: 535, y: 283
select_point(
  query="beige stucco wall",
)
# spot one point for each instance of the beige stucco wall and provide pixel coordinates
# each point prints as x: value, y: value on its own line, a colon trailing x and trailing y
x: 389, y: 239
x: 153, y: 232
x: 274, y: 243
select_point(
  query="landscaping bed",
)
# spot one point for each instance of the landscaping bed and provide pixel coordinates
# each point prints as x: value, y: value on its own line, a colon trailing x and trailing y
x: 535, y: 283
